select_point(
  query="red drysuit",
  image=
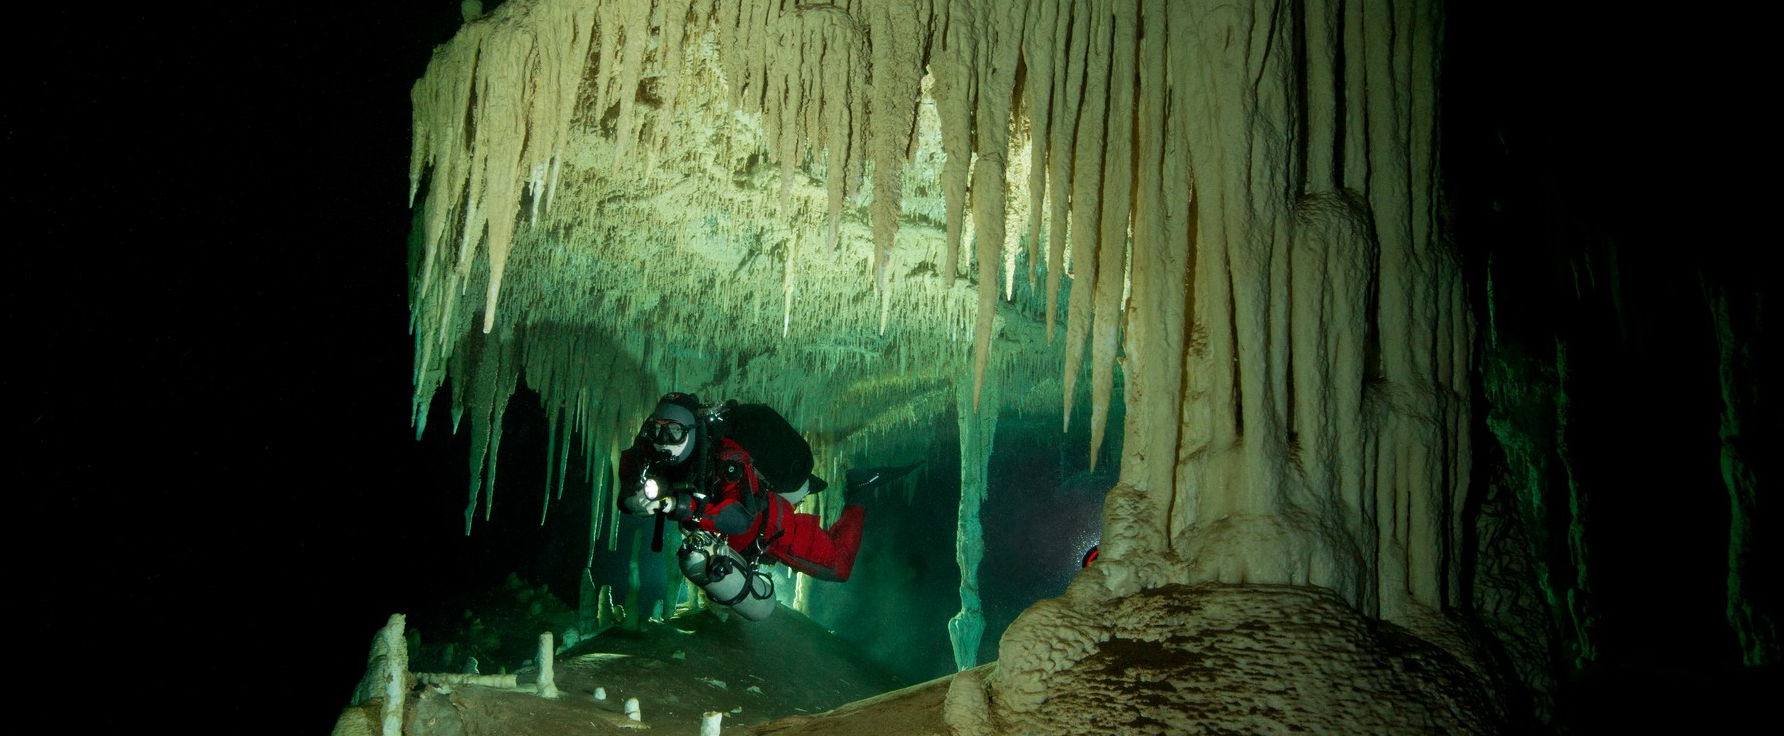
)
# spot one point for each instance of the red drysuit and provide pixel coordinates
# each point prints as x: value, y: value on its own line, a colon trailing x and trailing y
x: 737, y: 506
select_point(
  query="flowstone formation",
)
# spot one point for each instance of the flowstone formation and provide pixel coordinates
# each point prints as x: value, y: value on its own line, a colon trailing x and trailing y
x: 1219, y: 658
x: 1232, y: 205
x: 1297, y: 347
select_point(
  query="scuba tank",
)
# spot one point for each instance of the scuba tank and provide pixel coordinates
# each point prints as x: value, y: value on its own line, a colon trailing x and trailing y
x: 727, y: 578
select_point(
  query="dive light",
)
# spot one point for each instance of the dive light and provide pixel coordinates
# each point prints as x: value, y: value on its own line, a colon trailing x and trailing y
x: 654, y: 490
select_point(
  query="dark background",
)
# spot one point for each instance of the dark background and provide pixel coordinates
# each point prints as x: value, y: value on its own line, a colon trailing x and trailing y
x: 214, y: 371
x: 207, y: 245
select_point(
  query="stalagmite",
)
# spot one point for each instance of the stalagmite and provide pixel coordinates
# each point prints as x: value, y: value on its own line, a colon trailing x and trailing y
x: 964, y: 707
x: 393, y: 675
x: 592, y: 602
x: 453, y: 679
x: 547, y: 671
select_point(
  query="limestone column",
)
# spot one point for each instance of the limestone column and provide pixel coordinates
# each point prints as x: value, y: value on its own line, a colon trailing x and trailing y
x: 977, y: 431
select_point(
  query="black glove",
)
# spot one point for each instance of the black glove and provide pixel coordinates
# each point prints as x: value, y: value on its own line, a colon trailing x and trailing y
x: 683, y: 505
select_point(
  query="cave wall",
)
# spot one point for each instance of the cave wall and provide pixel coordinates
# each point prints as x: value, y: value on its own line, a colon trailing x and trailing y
x: 1620, y: 372
x: 1241, y: 216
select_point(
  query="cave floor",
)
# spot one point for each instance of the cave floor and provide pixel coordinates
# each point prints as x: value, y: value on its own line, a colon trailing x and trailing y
x: 783, y: 675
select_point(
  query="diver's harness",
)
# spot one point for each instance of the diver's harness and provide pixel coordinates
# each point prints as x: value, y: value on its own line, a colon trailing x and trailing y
x: 720, y: 565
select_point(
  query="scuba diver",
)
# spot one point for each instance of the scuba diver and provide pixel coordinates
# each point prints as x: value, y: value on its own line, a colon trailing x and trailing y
x: 730, y: 475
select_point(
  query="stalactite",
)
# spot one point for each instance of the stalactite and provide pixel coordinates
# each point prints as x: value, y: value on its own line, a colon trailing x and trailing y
x: 1069, y: 36
x: 1038, y: 51
x: 613, y: 486
x: 633, y: 15
x: 563, y: 459
x: 551, y: 442
x: 951, y: 63
x: 892, y: 107
x: 492, y: 383
x: 1086, y: 204
x: 1111, y: 270
x: 787, y: 285
x: 498, y: 162
x: 996, y: 67
x: 674, y: 39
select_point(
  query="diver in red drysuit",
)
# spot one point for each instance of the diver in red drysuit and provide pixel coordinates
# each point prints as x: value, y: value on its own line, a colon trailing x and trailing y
x: 732, y: 497
x: 744, y: 512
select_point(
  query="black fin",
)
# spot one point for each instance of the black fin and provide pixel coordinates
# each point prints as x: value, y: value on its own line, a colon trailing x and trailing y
x: 863, y: 478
